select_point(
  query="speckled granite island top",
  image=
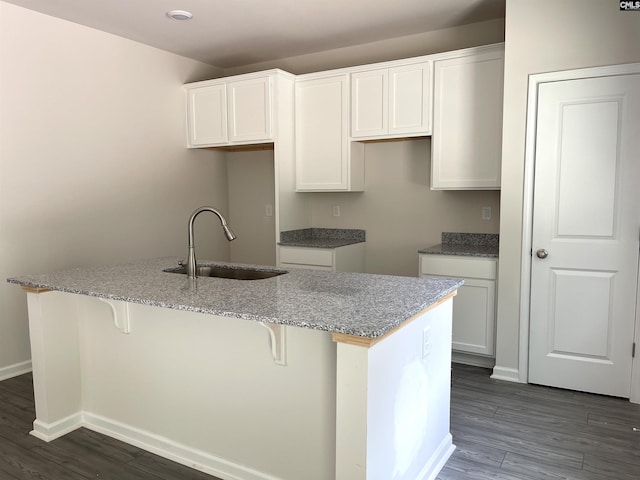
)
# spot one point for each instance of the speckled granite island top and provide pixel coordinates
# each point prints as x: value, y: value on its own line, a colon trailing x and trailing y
x: 359, y: 304
x: 466, y: 244
x: 322, y: 237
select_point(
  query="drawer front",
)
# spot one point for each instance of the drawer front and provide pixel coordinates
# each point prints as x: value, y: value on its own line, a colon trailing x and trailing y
x: 458, y: 266
x: 307, y: 256
x: 299, y: 266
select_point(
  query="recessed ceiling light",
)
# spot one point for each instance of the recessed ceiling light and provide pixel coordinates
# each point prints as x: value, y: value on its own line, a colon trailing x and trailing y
x: 179, y: 15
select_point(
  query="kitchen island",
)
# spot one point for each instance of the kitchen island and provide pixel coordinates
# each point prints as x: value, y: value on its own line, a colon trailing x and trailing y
x: 305, y: 375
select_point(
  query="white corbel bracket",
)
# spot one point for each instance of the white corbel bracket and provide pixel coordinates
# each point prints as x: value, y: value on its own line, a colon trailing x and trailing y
x: 120, y: 312
x: 278, y: 338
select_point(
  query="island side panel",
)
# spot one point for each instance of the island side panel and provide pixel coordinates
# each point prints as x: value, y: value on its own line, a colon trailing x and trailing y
x: 352, y: 383
x: 53, y: 331
x: 205, y: 391
x: 393, y: 402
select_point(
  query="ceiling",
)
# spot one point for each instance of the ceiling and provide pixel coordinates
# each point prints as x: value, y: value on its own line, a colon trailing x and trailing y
x: 232, y: 33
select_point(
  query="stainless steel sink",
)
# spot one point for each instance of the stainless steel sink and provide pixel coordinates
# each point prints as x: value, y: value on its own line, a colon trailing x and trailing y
x: 235, y: 273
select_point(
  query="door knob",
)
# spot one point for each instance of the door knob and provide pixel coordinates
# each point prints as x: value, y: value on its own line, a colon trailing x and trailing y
x: 542, y: 253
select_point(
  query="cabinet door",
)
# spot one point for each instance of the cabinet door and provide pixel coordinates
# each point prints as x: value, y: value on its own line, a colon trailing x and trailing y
x: 474, y: 317
x: 207, y: 115
x: 369, y: 103
x: 250, y: 110
x: 410, y: 99
x: 321, y: 134
x: 474, y: 305
x: 467, y: 122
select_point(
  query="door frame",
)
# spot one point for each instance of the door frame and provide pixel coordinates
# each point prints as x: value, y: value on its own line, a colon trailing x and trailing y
x: 527, y: 212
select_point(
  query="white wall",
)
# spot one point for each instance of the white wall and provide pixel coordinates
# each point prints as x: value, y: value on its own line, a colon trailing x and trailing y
x: 251, y: 184
x: 93, y: 164
x: 399, y: 211
x: 544, y: 36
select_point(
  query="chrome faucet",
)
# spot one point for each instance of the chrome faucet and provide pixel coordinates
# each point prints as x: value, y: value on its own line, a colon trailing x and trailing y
x: 191, y: 258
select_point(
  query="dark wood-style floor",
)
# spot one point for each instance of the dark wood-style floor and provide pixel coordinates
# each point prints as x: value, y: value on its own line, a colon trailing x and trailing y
x: 503, y: 431
x: 510, y: 431
x: 79, y: 455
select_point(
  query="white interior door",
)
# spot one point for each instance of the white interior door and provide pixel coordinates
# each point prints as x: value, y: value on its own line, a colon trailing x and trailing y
x: 586, y: 224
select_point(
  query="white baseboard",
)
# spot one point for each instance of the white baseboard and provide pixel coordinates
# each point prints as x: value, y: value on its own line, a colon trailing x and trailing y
x: 51, y: 431
x: 174, y: 451
x: 507, y: 374
x: 191, y: 457
x: 14, y: 370
x: 438, y: 459
x: 475, y: 360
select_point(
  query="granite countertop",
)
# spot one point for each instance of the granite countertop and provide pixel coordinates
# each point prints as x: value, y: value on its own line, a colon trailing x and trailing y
x: 359, y: 304
x: 466, y: 244
x: 321, y: 237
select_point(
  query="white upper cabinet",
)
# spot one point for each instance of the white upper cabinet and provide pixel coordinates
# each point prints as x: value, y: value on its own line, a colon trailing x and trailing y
x: 391, y: 102
x: 456, y: 97
x: 410, y: 99
x: 229, y: 111
x: 326, y: 160
x: 249, y: 110
x: 370, y: 103
x: 207, y: 115
x: 467, y: 121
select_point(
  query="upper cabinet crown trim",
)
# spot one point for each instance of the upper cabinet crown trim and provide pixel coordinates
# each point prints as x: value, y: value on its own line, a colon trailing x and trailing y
x: 243, y: 76
x: 432, y: 57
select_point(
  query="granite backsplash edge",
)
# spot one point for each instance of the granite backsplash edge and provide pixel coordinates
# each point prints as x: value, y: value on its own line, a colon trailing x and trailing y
x: 477, y: 239
x: 351, y: 234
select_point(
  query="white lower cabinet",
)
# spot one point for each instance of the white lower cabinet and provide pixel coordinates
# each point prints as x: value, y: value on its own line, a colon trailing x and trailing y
x: 474, y: 316
x: 349, y: 258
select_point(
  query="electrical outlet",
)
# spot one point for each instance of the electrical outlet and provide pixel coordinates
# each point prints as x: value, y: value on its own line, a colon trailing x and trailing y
x: 486, y: 213
x: 336, y: 210
x: 268, y: 210
x: 426, y: 342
